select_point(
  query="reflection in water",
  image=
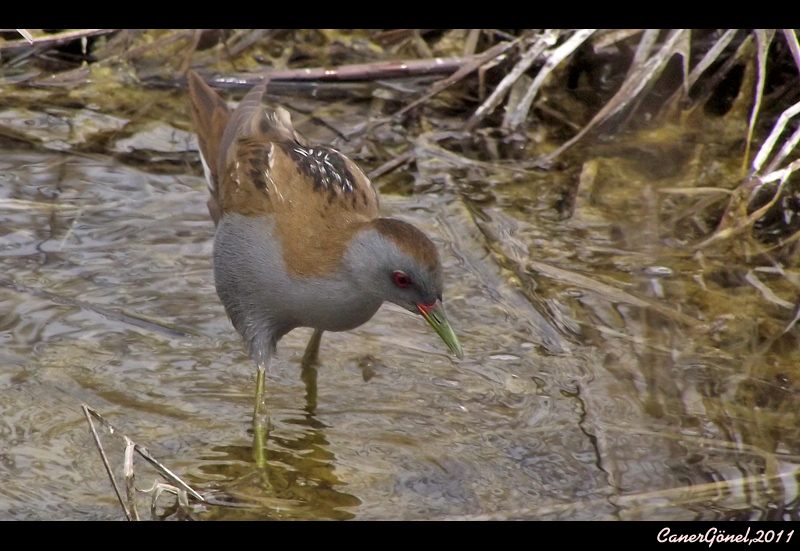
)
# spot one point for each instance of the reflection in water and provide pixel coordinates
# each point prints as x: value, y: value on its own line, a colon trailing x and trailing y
x: 293, y: 477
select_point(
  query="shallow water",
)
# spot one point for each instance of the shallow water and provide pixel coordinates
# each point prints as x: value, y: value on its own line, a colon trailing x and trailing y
x: 607, y: 374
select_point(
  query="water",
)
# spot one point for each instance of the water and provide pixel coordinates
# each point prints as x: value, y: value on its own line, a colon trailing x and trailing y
x: 609, y: 373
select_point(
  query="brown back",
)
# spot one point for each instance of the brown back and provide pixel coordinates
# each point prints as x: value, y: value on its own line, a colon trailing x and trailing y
x: 261, y: 166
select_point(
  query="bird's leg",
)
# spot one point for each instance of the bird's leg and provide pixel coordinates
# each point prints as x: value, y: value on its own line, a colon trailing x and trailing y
x: 309, y: 378
x: 260, y: 419
x: 312, y: 349
x: 309, y: 370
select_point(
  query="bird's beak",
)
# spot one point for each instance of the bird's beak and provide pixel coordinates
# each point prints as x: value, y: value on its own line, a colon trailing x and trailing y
x: 435, y: 316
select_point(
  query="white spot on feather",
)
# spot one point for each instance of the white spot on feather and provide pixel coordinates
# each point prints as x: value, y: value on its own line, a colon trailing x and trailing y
x: 207, y: 173
x: 268, y: 176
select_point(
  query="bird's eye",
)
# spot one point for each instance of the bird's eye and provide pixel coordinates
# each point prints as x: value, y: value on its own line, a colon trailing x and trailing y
x: 401, y: 279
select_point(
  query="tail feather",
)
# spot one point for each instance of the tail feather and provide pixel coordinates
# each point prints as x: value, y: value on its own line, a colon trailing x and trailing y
x: 247, y: 111
x: 210, y: 114
x: 218, y: 128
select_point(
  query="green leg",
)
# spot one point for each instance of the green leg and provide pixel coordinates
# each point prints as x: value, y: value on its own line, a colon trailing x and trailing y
x: 312, y: 349
x: 309, y: 377
x: 309, y: 370
x: 260, y: 420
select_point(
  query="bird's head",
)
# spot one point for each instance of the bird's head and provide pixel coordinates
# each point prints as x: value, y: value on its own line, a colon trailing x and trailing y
x: 398, y: 263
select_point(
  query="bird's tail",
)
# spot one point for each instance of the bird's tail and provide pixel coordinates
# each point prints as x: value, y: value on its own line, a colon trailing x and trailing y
x: 211, y: 115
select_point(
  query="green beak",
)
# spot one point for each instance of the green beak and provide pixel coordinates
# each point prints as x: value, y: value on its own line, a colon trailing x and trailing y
x: 435, y: 316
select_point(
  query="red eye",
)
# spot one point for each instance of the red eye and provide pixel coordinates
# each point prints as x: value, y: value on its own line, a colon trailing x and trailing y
x: 401, y: 279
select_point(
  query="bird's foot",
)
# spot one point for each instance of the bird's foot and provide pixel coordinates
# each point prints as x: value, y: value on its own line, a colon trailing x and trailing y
x: 368, y: 365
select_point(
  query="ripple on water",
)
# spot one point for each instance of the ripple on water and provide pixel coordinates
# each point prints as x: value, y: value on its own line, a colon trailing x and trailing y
x: 568, y: 404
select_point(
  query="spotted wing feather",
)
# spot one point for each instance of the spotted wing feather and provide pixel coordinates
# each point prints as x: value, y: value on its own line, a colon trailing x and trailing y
x: 316, y: 196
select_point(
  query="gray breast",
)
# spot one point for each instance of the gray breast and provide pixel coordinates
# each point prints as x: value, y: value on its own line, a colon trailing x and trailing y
x: 264, y: 302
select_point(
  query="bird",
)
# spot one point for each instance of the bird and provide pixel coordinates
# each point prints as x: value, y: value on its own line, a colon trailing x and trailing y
x: 299, y: 239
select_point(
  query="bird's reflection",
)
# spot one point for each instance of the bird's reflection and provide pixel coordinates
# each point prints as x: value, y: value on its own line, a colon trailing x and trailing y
x: 288, y: 472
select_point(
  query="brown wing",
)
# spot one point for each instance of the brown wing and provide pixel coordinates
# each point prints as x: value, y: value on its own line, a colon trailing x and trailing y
x: 317, y: 195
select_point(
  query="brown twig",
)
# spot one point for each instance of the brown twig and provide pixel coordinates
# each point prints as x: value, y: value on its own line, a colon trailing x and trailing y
x: 467, y: 68
x: 513, y: 118
x: 794, y: 47
x: 79, y: 75
x: 130, y: 477
x: 87, y: 411
x: 141, y: 450
x: 628, y: 91
x: 763, y: 41
x: 355, y: 72
x: 708, y: 59
x: 26, y: 35
x: 475, y: 63
x: 605, y: 39
x: 242, y: 42
x: 198, y: 34
x: 471, y: 43
x: 391, y: 165
x: 54, y: 39
x: 158, y: 489
x: 157, y: 44
x: 712, y: 81
x: 769, y: 143
x: 526, y: 60
x: 393, y: 36
x: 732, y: 224
x: 166, y: 473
